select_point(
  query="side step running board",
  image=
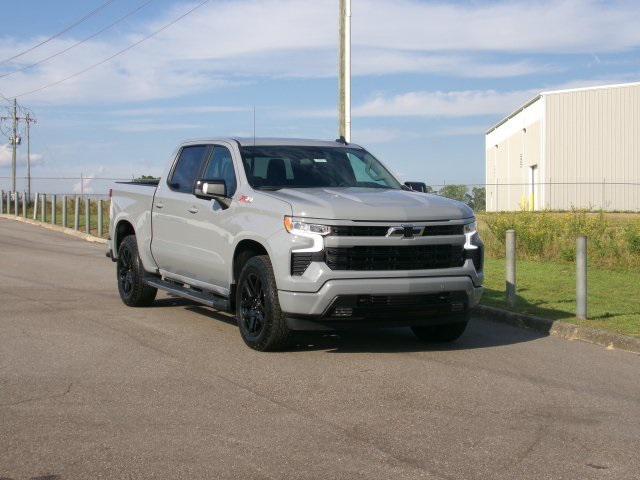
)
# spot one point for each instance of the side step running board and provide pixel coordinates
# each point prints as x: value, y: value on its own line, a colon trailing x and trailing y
x: 197, y: 295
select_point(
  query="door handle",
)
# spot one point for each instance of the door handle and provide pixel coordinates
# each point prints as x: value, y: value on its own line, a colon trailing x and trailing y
x: 192, y: 210
x: 159, y: 205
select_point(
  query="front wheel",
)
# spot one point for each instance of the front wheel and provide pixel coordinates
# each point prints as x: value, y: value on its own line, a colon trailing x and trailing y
x: 444, y: 333
x: 261, y: 322
x: 133, y: 291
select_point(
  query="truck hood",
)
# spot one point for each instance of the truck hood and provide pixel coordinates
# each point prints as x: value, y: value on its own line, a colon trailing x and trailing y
x: 377, y: 205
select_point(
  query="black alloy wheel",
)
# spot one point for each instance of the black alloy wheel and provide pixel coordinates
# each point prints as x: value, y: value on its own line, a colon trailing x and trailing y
x: 252, y: 306
x: 130, y: 274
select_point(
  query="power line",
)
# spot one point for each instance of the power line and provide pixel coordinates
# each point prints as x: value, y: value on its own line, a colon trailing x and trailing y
x: 120, y: 52
x: 61, y: 32
x: 65, y: 50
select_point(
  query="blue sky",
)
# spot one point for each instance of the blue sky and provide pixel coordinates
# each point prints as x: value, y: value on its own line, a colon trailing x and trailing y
x: 429, y: 77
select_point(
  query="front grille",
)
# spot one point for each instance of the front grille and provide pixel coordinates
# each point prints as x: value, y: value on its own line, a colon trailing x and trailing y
x: 433, y: 230
x: 414, y: 257
x: 358, y: 231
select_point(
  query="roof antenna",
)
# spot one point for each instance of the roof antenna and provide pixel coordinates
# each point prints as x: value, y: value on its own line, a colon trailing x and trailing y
x: 342, y: 140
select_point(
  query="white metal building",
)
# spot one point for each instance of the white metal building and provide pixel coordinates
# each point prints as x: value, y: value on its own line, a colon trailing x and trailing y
x: 564, y: 149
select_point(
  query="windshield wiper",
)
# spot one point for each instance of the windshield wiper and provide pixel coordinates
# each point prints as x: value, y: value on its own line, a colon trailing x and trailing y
x: 269, y: 188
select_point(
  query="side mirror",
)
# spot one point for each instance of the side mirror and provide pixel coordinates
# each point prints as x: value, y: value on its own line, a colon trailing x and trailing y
x: 417, y: 186
x: 213, y: 188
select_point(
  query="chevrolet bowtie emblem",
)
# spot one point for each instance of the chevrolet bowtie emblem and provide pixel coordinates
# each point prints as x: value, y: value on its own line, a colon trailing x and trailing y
x: 408, y: 231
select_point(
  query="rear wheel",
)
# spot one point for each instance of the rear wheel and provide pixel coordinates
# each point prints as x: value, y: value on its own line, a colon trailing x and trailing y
x: 130, y: 272
x: 262, y: 324
x: 444, y: 333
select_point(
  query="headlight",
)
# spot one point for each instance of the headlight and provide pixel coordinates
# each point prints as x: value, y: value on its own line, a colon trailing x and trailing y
x: 298, y: 227
x: 471, y: 227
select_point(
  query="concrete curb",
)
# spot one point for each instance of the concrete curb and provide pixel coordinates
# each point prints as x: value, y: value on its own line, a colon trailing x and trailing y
x: 561, y: 329
x: 57, y: 228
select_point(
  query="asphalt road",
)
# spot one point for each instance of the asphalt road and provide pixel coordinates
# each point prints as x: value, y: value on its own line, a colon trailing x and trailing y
x: 90, y: 388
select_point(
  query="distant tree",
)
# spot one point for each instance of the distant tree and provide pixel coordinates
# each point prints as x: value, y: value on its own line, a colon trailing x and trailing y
x: 479, y: 199
x: 476, y: 199
x: 455, y: 192
x: 142, y: 178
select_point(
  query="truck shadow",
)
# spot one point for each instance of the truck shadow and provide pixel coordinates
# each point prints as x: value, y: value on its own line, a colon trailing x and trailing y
x: 479, y: 334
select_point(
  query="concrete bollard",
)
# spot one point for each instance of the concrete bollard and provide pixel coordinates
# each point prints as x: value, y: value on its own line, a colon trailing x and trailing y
x: 581, y: 278
x: 100, y: 218
x: 25, y: 202
x: 35, y: 205
x: 511, y: 267
x: 76, y: 215
x: 1, y: 202
x: 16, y: 212
x: 87, y: 216
x: 53, y: 209
x: 43, y: 207
x: 9, y: 202
x: 64, y: 211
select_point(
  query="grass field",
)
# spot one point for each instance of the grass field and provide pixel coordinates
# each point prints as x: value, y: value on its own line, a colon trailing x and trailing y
x: 614, y: 238
x: 547, y: 289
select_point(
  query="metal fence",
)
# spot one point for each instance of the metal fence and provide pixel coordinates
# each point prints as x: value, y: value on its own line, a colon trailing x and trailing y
x: 87, y: 213
x: 492, y: 197
x: 555, y: 196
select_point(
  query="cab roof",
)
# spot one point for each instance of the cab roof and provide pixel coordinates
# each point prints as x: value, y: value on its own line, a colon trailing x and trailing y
x: 272, y: 141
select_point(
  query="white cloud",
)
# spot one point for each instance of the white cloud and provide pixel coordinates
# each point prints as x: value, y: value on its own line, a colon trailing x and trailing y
x: 443, y: 104
x: 85, y: 185
x: 21, y: 158
x: 155, y: 111
x: 148, y: 126
x: 222, y: 43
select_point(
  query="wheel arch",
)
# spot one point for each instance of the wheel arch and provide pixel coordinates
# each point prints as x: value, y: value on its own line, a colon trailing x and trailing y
x: 123, y: 229
x: 245, y: 249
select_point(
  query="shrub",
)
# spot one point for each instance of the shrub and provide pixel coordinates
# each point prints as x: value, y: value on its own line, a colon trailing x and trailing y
x: 614, y: 239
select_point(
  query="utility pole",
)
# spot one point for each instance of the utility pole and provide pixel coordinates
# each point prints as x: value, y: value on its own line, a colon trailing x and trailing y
x: 28, y: 119
x: 345, y: 70
x: 14, y: 143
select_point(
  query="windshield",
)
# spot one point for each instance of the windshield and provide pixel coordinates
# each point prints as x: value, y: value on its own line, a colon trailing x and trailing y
x: 275, y: 167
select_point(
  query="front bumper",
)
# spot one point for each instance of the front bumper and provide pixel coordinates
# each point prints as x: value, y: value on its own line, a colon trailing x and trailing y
x: 407, y: 299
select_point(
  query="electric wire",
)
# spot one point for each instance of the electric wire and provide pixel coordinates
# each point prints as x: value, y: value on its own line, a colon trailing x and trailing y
x: 80, y: 42
x: 56, y: 35
x: 119, y: 52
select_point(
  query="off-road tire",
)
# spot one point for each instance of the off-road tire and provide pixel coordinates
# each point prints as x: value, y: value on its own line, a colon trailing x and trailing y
x: 443, y: 333
x: 130, y: 275
x: 274, y: 334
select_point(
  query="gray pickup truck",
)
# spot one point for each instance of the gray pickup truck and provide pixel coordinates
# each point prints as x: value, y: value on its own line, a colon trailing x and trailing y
x: 296, y: 235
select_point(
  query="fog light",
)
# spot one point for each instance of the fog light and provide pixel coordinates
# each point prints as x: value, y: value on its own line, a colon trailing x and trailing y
x: 343, y: 312
x: 457, y: 307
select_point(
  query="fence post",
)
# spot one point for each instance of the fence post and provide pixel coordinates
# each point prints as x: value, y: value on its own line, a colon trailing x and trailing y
x: 87, y: 216
x: 35, y: 206
x: 76, y: 215
x: 511, y: 267
x: 64, y: 211
x: 1, y: 202
x: 581, y: 278
x: 25, y: 201
x: 16, y: 211
x: 53, y: 209
x: 43, y: 207
x: 100, y: 218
